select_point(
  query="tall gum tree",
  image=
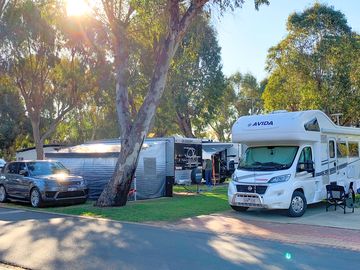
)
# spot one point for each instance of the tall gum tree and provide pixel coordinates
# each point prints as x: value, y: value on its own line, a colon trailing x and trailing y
x: 119, y: 17
x: 35, y: 52
x: 12, y: 116
x: 195, y: 83
x: 311, y: 67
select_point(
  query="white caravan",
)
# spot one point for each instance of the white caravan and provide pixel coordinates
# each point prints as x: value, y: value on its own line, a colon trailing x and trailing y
x: 291, y: 157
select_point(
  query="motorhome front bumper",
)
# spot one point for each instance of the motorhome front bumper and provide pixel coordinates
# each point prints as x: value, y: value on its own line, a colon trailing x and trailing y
x: 248, y: 200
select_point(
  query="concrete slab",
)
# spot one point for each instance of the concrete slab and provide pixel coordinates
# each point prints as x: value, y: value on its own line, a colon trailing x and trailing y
x: 314, y: 215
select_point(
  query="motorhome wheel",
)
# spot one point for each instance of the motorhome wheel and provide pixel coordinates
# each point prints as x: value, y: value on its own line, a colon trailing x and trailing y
x: 239, y: 208
x: 297, y: 205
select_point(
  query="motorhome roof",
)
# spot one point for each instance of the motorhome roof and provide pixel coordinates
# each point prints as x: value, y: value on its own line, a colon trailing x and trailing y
x: 286, y: 127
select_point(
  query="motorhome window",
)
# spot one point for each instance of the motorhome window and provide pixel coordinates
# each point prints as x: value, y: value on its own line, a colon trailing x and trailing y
x: 312, y: 125
x: 305, y: 155
x: 342, y: 150
x: 268, y: 158
x: 353, y: 149
x: 331, y: 149
x: 305, y: 160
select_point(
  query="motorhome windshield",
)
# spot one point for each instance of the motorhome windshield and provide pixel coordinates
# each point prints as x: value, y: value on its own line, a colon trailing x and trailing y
x: 268, y: 158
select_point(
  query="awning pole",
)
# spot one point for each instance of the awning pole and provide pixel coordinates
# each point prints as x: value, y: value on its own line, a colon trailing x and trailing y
x: 135, y: 187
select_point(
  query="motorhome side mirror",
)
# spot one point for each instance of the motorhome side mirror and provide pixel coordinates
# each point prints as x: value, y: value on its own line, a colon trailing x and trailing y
x: 24, y: 173
x: 306, y: 166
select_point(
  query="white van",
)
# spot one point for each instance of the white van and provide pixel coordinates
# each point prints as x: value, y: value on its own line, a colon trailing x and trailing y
x: 290, y: 158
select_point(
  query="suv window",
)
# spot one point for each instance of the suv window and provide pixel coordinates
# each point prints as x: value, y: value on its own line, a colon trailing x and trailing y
x: 12, y: 168
x: 45, y: 168
x: 22, y: 166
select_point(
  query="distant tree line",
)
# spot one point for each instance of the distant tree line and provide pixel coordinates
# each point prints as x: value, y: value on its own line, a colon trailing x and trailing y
x: 316, y: 66
x: 56, y: 88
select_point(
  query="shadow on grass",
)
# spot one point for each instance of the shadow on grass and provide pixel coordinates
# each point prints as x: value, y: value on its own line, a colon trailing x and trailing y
x: 181, y: 205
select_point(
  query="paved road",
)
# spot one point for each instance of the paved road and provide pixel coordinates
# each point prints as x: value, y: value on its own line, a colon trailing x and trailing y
x: 47, y: 241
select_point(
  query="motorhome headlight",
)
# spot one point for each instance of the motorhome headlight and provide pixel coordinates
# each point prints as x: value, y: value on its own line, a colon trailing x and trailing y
x: 280, y: 178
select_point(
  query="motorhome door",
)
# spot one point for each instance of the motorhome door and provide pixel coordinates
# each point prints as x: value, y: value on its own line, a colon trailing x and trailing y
x: 332, y: 165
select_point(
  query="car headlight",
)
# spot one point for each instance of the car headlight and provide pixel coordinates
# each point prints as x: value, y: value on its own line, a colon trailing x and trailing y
x: 280, y: 178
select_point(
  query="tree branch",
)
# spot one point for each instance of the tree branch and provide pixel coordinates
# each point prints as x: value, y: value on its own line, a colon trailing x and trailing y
x: 54, y: 124
x: 188, y: 17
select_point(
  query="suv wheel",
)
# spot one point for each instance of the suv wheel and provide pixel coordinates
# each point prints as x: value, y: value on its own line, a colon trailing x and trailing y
x: 297, y: 205
x: 35, y: 198
x: 3, y: 194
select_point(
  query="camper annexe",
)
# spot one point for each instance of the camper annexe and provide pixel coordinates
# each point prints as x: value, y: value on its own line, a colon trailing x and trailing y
x: 290, y: 158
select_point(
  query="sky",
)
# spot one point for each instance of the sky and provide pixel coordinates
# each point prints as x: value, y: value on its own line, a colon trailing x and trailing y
x: 245, y: 35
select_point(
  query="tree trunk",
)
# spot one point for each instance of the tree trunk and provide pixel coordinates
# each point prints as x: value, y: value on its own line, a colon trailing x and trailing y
x: 184, y: 124
x: 134, y: 133
x: 116, y: 191
x: 39, y: 144
x: 220, y: 134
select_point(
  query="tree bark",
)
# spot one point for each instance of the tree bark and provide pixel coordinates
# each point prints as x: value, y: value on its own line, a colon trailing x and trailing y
x: 184, y: 125
x: 116, y: 192
x: 220, y: 134
x: 122, y: 95
x: 39, y: 145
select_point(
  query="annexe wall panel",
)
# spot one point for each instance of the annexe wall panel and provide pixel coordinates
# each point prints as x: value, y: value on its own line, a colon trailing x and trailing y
x: 97, y: 168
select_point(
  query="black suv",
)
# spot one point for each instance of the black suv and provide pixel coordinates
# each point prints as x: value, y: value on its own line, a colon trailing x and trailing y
x: 41, y: 182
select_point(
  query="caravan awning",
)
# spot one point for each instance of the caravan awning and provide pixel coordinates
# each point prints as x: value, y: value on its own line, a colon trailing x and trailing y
x: 213, y: 148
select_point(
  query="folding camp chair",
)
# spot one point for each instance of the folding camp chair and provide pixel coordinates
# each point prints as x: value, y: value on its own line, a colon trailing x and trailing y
x: 336, y: 196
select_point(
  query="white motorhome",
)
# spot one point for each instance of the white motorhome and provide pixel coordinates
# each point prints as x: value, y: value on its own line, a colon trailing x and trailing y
x: 291, y: 157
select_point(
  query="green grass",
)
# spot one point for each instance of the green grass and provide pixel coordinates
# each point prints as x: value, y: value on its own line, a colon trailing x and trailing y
x: 182, y: 205
x: 357, y: 201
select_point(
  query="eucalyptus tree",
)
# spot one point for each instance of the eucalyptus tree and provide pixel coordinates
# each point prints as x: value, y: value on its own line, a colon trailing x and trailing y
x: 241, y: 96
x: 311, y: 67
x: 120, y: 18
x: 4, y: 5
x: 195, y: 84
x: 12, y: 116
x: 226, y: 114
x: 45, y: 71
x: 248, y: 93
x: 92, y: 118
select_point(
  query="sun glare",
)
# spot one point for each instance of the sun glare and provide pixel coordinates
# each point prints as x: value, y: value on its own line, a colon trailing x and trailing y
x: 77, y: 7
